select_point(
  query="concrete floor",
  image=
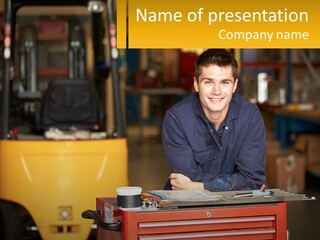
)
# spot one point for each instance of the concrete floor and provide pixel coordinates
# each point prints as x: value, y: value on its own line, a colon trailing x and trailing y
x: 148, y: 169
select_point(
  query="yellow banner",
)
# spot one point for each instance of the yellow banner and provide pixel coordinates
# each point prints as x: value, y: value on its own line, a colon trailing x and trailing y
x: 219, y: 24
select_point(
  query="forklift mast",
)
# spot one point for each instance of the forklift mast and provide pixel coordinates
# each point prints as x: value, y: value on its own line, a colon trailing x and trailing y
x: 28, y: 64
x: 77, y: 52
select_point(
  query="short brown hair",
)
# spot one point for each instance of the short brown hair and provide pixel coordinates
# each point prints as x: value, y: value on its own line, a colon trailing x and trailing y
x: 219, y: 57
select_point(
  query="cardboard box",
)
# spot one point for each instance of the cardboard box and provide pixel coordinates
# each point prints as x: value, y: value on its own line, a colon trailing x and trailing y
x: 309, y: 144
x: 271, y: 142
x: 314, y: 169
x: 285, y: 169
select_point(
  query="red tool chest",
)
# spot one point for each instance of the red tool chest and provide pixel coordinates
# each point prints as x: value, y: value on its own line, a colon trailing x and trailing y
x: 246, y: 221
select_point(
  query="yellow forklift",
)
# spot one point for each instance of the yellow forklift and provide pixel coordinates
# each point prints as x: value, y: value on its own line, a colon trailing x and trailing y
x: 56, y: 153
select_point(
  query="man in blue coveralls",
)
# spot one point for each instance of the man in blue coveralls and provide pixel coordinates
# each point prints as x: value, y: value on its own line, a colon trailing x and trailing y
x: 214, y: 139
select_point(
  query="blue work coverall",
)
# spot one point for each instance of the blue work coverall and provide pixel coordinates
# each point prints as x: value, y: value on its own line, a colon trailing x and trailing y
x: 232, y: 158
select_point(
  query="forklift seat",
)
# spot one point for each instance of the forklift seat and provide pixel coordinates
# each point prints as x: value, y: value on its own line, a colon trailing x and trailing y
x: 70, y: 103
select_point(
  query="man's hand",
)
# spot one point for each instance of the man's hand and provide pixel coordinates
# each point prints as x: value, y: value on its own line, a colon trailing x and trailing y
x: 182, y: 182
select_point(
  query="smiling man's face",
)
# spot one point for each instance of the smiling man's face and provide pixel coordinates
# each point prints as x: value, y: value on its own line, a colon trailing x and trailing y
x: 215, y: 86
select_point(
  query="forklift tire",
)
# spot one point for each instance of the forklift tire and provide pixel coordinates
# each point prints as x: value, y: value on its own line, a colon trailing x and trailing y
x: 11, y: 226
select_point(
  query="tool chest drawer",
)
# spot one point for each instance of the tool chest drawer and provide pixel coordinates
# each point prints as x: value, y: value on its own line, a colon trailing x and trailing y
x: 245, y: 222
